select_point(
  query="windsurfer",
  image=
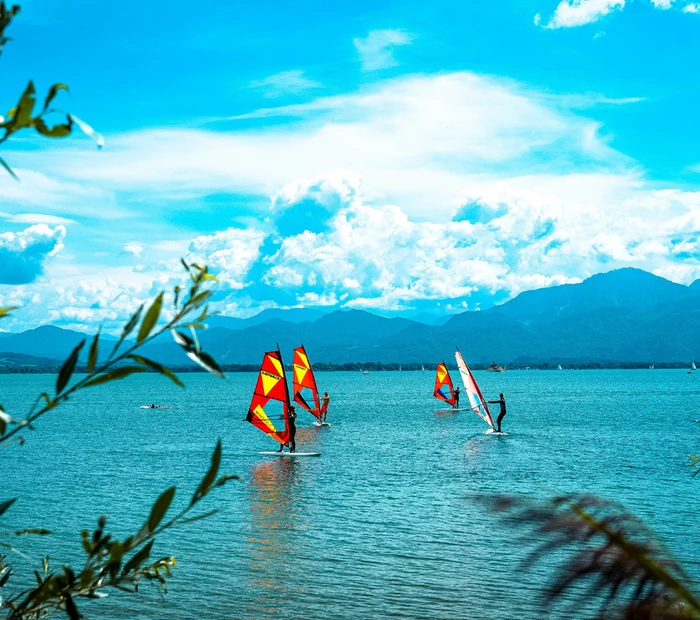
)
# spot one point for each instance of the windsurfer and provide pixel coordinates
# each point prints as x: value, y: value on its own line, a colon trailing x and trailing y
x: 324, y: 405
x: 292, y: 417
x: 456, y: 394
x: 502, y: 402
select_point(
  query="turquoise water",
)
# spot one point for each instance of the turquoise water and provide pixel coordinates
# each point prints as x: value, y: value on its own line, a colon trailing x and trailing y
x: 384, y: 522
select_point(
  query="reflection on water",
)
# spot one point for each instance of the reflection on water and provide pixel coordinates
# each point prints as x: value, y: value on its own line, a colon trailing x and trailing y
x: 276, y: 519
x: 384, y: 519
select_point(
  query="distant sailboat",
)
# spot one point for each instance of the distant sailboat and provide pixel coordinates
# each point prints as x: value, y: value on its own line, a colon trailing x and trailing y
x: 692, y: 368
x: 365, y: 372
x: 496, y: 368
x: 559, y: 367
x: 422, y: 369
x: 304, y: 379
x: 478, y: 404
x: 651, y: 366
x: 272, y: 388
x: 444, y: 389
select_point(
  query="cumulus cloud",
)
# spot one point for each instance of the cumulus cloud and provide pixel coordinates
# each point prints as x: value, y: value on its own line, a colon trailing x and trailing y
x: 691, y: 8
x: 579, y: 12
x: 376, y: 50
x: 571, y: 13
x: 24, y: 254
x: 133, y: 249
x: 285, y: 83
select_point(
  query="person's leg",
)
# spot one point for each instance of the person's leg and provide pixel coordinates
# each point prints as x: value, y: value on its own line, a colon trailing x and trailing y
x: 292, y: 441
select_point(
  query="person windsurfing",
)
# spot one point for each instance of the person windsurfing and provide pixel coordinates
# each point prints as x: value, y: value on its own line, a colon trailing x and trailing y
x: 324, y: 405
x: 502, y: 402
x: 456, y: 395
x: 291, y: 442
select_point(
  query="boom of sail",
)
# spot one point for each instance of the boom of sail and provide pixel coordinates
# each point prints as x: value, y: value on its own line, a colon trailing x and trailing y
x: 304, y: 380
x: 444, y: 390
x: 270, y: 388
x: 476, y: 400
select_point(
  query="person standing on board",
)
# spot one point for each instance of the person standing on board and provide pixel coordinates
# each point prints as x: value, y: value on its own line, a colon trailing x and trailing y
x: 292, y: 417
x: 324, y: 405
x: 502, y: 402
x: 456, y: 395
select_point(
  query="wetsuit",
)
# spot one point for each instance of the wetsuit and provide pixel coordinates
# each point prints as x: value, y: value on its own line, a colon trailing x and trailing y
x: 456, y: 395
x: 502, y: 403
x: 292, y: 431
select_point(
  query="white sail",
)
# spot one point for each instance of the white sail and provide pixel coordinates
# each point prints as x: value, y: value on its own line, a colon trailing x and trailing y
x: 693, y: 366
x: 476, y: 400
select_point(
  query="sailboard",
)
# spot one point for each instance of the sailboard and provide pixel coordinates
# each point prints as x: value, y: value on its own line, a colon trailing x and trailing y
x: 271, y: 391
x: 290, y: 454
x: 444, y: 390
x: 476, y: 400
x: 304, y: 379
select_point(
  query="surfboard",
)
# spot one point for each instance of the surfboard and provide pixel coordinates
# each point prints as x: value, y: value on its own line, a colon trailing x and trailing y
x: 322, y: 424
x: 493, y: 432
x: 290, y: 454
x: 451, y: 409
x: 156, y: 407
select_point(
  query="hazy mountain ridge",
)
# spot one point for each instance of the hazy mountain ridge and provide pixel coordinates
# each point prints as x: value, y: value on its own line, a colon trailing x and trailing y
x: 624, y: 315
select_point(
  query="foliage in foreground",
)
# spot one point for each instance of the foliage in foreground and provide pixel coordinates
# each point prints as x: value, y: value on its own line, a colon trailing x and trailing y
x: 24, y: 116
x: 111, y: 563
x: 601, y: 554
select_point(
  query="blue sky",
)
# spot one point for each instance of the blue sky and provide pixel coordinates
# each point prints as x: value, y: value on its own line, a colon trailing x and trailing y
x: 395, y: 156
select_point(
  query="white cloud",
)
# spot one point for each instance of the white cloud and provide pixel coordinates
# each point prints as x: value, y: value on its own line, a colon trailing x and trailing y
x: 579, y: 12
x: 35, y: 218
x: 691, y: 8
x: 662, y: 4
x: 23, y: 254
x: 376, y: 49
x: 285, y: 83
x: 133, y: 249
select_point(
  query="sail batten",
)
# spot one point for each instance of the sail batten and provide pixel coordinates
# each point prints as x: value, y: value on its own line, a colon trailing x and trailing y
x: 476, y: 400
x: 444, y: 390
x: 304, y: 379
x: 271, y: 387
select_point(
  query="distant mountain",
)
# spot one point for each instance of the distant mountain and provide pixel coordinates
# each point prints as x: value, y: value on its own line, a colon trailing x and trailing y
x: 292, y: 315
x: 624, y: 315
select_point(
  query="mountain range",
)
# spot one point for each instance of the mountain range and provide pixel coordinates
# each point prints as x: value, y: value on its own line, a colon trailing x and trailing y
x: 624, y: 315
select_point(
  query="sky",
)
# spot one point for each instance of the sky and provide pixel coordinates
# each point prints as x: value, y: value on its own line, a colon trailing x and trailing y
x: 395, y: 157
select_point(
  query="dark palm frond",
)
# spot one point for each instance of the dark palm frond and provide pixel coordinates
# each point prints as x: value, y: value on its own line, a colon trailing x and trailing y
x: 609, y: 556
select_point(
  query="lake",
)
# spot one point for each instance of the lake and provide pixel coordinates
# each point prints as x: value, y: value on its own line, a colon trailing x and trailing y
x: 384, y: 522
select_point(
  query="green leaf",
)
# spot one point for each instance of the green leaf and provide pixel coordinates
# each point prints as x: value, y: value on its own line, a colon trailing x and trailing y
x: 157, y: 367
x: 23, y: 113
x: 128, y: 328
x: 160, y: 508
x: 53, y: 91
x: 209, y: 477
x: 57, y: 131
x: 114, y: 375
x: 135, y: 562
x: 68, y: 368
x: 182, y: 339
x: 6, y: 166
x: 207, y: 362
x: 87, y: 130
x: 4, y: 506
x: 6, y: 310
x: 94, y: 350
x: 151, y: 318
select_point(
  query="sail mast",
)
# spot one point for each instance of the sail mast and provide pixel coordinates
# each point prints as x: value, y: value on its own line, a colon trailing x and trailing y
x: 476, y: 400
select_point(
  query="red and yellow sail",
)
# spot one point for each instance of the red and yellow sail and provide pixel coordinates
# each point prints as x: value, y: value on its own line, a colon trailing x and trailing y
x: 271, y: 387
x: 444, y: 389
x: 304, y: 379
